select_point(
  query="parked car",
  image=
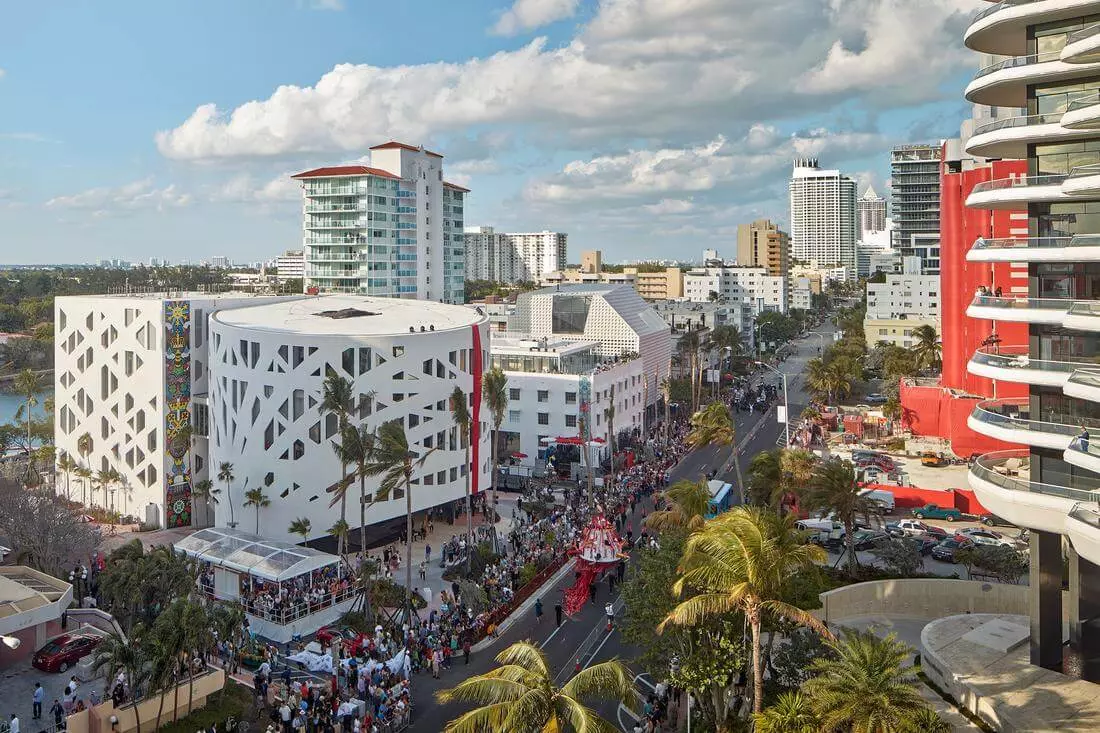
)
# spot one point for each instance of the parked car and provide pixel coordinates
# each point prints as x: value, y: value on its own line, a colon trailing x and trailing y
x: 882, y: 499
x: 923, y: 545
x: 935, y: 511
x: 982, y: 536
x: 64, y: 651
x: 915, y: 528
x: 876, y: 398
x: 869, y: 539
x: 946, y: 549
x: 933, y: 459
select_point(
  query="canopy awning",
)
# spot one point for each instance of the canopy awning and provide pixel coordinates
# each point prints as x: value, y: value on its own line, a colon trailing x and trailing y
x: 244, y: 552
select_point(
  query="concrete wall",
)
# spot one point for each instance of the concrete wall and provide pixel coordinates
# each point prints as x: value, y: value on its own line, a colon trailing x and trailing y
x: 929, y: 598
x: 98, y: 719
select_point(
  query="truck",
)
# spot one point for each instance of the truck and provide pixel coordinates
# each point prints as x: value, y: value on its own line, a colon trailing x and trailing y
x: 914, y: 528
x: 935, y: 511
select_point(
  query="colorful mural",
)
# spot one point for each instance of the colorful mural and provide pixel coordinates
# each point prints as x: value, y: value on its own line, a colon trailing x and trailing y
x: 177, y: 433
x: 586, y: 407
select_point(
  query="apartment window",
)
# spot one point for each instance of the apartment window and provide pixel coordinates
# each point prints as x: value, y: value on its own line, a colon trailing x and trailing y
x: 570, y: 421
x: 544, y: 418
x: 513, y: 416
x: 513, y: 393
x: 570, y: 398
x: 544, y: 395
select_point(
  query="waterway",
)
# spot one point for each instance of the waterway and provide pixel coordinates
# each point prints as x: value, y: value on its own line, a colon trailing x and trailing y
x: 10, y: 403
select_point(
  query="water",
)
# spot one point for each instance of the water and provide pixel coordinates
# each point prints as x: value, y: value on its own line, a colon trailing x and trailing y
x: 10, y: 404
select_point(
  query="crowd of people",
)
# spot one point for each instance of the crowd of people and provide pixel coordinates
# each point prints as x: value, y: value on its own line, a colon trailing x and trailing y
x: 285, y: 601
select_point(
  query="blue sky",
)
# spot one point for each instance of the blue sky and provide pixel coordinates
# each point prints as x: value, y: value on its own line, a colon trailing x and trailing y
x: 646, y: 128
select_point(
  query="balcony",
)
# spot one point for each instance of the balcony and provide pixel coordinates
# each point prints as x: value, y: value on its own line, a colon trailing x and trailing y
x: 1078, y: 248
x: 1013, y: 364
x: 1009, y: 420
x: 1083, y: 181
x: 1083, y: 530
x: 1082, y: 113
x: 1084, y: 384
x: 1002, y: 28
x: 1083, y: 315
x: 1005, y: 83
x: 1002, y: 484
x: 1049, y: 311
x: 1083, y: 46
x: 1009, y: 137
x: 1017, y: 192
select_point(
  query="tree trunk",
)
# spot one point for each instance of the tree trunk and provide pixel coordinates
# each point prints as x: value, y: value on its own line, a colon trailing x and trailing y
x: 757, y: 666
x: 176, y: 694
x: 737, y: 470
x: 229, y: 498
x: 493, y: 482
x: 367, y: 611
x: 342, y: 543
x: 850, y: 546
x: 469, y: 510
x: 408, y: 548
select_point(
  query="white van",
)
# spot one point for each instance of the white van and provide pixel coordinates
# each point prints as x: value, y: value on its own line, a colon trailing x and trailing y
x: 881, y: 498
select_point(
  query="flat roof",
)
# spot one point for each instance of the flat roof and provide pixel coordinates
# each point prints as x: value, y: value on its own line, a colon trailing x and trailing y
x: 24, y: 589
x: 245, y: 552
x: 532, y: 346
x: 178, y: 295
x: 351, y: 315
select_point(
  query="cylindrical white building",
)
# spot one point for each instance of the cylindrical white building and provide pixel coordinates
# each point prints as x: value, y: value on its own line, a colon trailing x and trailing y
x: 403, y: 359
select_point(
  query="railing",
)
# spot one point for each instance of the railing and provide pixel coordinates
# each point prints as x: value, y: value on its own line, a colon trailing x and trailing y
x: 1016, y: 357
x: 985, y: 468
x: 286, y: 616
x: 1017, y: 62
x: 1090, y: 517
x: 1000, y: 184
x: 999, y: 301
x: 1015, y: 415
x: 1084, y: 308
x: 1091, y: 169
x: 1088, y: 100
x: 999, y: 6
x: 1086, y: 32
x: 1024, y: 242
x: 1023, y: 121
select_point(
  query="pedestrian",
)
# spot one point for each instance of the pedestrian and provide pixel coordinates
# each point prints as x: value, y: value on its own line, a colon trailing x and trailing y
x: 36, y: 698
x: 428, y: 553
x: 437, y: 660
x: 58, y: 713
x: 538, y: 610
x: 466, y: 650
x: 13, y: 726
x: 591, y: 592
x: 557, y: 614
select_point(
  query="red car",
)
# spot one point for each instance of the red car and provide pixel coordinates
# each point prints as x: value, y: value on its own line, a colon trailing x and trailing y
x: 63, y: 652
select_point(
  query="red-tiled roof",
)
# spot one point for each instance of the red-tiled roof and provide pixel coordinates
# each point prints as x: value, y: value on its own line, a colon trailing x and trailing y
x: 455, y: 186
x: 403, y: 146
x: 346, y: 170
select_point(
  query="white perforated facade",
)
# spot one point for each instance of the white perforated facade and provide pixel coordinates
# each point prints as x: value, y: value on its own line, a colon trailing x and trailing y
x: 403, y: 357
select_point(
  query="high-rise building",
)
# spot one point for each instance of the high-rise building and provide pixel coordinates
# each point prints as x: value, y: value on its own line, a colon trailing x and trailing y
x: 592, y: 261
x: 219, y: 262
x: 871, y: 209
x: 1050, y: 482
x: 750, y: 285
x: 392, y: 228
x: 915, y: 187
x: 823, y: 217
x: 763, y: 244
x: 511, y: 258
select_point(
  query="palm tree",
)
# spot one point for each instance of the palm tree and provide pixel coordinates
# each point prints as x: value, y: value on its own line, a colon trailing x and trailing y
x: 792, y: 712
x: 927, y: 349
x: 775, y: 474
x: 743, y: 561
x: 113, y: 477
x: 688, y: 504
x: 394, y: 462
x: 340, y: 531
x: 28, y: 385
x: 256, y: 497
x: 832, y: 488
x: 520, y: 695
x: 688, y: 346
x: 67, y: 464
x: 666, y: 393
x: 354, y: 448
x: 460, y: 413
x: 866, y: 687
x: 337, y: 398
x: 225, y: 474
x: 301, y: 526
x: 494, y: 392
x: 84, y: 445
x: 117, y: 653
x: 714, y: 425
x: 205, y: 491
x: 85, y: 475
x: 102, y: 479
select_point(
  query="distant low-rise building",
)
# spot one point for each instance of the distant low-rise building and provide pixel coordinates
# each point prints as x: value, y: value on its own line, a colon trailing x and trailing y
x: 751, y: 285
x: 899, y: 305
x: 290, y: 265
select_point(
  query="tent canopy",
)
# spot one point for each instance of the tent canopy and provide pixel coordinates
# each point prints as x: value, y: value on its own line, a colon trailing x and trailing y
x: 247, y: 553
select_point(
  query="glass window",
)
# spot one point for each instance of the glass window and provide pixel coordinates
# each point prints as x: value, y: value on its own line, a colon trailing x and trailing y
x: 513, y: 393
x: 569, y: 313
x: 544, y: 418
x: 544, y: 395
x: 570, y: 398
x: 570, y: 421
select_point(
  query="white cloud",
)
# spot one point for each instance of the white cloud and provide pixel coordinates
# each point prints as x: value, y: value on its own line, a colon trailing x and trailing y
x: 668, y: 70
x: 2, y: 72
x: 245, y: 188
x: 670, y: 206
x: 135, y: 195
x: 526, y: 15
x: 326, y: 5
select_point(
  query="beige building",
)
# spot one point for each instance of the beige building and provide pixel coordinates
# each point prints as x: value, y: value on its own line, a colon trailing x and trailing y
x: 763, y: 244
x: 592, y: 261
x: 667, y: 284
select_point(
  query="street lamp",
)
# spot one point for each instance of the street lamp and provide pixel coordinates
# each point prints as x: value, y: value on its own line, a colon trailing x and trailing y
x: 11, y: 642
x: 786, y: 405
x: 759, y: 327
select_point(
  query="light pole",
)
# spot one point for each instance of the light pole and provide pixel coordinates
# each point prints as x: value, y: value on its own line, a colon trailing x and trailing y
x: 821, y: 336
x: 760, y: 332
x: 786, y: 405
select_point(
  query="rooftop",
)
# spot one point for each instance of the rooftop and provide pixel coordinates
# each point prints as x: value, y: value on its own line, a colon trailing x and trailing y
x: 404, y: 146
x: 355, y: 315
x: 245, y: 552
x: 25, y: 594
x: 337, y: 171
x: 519, y: 345
x: 183, y: 295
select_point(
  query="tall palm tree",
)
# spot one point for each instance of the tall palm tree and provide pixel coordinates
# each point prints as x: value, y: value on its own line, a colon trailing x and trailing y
x: 742, y: 561
x: 337, y: 398
x: 866, y: 687
x: 494, y: 392
x: 460, y: 413
x: 927, y: 350
x: 205, y: 491
x: 520, y: 695
x: 84, y: 445
x: 689, y: 345
x: 225, y: 475
x: 67, y: 465
x: 714, y: 425
x: 117, y: 653
x: 28, y: 385
x: 85, y: 475
x: 777, y: 473
x: 666, y: 393
x: 792, y: 712
x: 340, y: 531
x: 301, y: 526
x: 832, y: 488
x: 394, y: 462
x: 102, y: 480
x: 256, y: 497
x: 354, y: 448
x: 113, y: 478
x: 687, y: 507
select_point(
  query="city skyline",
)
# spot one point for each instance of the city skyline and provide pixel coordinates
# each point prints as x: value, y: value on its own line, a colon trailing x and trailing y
x: 535, y: 105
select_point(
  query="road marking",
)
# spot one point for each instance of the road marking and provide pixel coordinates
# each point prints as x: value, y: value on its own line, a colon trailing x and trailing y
x: 592, y: 656
x: 553, y: 633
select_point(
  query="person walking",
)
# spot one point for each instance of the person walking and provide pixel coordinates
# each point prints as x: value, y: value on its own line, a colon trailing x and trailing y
x: 466, y: 650
x: 437, y: 660
x: 538, y: 610
x: 13, y: 726
x: 58, y: 711
x: 36, y: 699
x: 557, y: 614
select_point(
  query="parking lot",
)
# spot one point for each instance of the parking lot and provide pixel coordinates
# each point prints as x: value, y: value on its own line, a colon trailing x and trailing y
x: 17, y: 689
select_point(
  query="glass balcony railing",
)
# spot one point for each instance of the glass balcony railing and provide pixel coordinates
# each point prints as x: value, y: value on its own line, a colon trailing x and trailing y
x: 1004, y: 469
x: 1017, y: 357
x: 996, y: 301
x: 1089, y: 100
x: 1092, y: 169
x: 1016, y: 122
x: 1084, y: 308
x: 1086, y: 32
x: 998, y: 7
x: 1017, y: 62
x: 1026, y: 242
x: 999, y: 184
x: 1015, y: 415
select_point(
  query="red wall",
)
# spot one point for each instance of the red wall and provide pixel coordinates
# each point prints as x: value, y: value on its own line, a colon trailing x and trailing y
x: 940, y: 412
x: 911, y: 497
x: 959, y: 279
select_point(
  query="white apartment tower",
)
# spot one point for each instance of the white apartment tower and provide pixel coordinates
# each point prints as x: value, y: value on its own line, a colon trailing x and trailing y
x: 391, y: 228
x: 823, y: 217
x: 871, y: 209
x: 510, y: 258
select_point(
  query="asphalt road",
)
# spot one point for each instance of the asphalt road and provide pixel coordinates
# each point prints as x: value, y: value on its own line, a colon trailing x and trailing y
x: 585, y: 637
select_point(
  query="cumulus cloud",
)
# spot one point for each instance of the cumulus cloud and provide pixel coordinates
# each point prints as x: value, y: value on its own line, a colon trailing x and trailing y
x: 246, y: 188
x: 760, y: 154
x: 136, y: 195
x: 2, y: 72
x: 670, y: 70
x: 670, y: 206
x: 526, y: 15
